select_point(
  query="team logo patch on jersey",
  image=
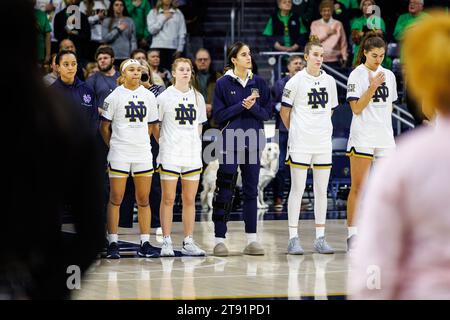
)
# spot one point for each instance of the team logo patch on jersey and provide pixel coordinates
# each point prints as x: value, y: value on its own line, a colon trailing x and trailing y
x: 255, y: 92
x: 105, y: 106
x: 87, y: 98
x: 351, y: 87
x: 185, y: 113
x: 382, y: 93
x: 286, y: 93
x: 136, y: 111
x: 316, y: 98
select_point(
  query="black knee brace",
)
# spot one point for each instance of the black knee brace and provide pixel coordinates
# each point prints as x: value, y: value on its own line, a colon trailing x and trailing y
x: 224, y: 181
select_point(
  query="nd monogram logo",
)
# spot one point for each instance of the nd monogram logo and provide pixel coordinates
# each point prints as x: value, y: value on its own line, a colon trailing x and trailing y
x: 316, y: 98
x: 136, y: 111
x: 381, y: 93
x: 185, y: 113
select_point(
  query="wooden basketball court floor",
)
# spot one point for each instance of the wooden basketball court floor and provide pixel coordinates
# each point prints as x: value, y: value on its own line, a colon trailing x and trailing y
x: 275, y: 275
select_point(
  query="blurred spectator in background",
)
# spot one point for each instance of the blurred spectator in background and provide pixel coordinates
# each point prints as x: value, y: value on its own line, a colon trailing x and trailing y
x: 119, y: 31
x: 139, y: 55
x: 58, y: 151
x: 285, y: 31
x: 50, y: 77
x: 295, y: 64
x: 307, y: 10
x: 139, y: 10
x: 368, y: 22
x: 51, y: 8
x: 96, y: 11
x: 205, y: 78
x: 415, y: 10
x: 167, y: 26
x: 160, y: 76
x: 403, y: 250
x: 66, y: 28
x: 91, y: 69
x: 331, y: 34
x: 105, y: 81
x: 204, y: 81
x: 44, y: 35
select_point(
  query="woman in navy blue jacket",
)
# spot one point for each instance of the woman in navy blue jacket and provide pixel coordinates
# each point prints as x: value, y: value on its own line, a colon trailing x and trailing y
x: 241, y: 104
x: 75, y: 90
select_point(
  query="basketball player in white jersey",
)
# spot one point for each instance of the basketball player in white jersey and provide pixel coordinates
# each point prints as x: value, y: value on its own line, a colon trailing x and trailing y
x: 130, y: 116
x: 371, y: 90
x: 182, y: 112
x: 309, y: 99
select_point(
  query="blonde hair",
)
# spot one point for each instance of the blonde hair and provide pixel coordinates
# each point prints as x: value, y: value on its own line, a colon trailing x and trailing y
x: 185, y: 60
x: 426, y: 62
x: 313, y: 41
x: 121, y: 78
x: 191, y: 81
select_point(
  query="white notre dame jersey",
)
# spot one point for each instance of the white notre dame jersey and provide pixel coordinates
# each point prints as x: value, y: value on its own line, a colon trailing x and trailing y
x: 130, y: 112
x: 373, y: 126
x: 312, y: 99
x: 180, y: 115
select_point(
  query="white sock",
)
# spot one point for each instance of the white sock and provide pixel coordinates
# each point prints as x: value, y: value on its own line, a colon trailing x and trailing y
x: 293, y: 232
x: 352, y: 231
x: 113, y: 237
x: 167, y: 239
x: 219, y: 240
x: 188, y: 239
x: 321, y: 178
x: 298, y: 182
x: 251, y: 237
x: 320, y: 232
x: 145, y: 238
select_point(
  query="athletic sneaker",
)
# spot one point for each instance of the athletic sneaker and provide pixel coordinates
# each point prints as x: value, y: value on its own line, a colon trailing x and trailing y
x: 146, y: 250
x: 254, y: 249
x: 321, y: 246
x: 191, y: 249
x: 220, y: 250
x: 351, y: 243
x: 167, y: 249
x: 294, y: 246
x: 112, y: 252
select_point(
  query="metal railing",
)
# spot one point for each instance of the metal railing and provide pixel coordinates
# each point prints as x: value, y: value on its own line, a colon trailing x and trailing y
x: 398, y: 111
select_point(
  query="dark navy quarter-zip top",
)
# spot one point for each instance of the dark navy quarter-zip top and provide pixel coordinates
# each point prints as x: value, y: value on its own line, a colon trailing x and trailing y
x: 82, y: 96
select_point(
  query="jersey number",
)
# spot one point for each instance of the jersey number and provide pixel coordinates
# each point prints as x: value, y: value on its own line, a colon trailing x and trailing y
x: 316, y: 98
x: 134, y: 111
x: 185, y: 113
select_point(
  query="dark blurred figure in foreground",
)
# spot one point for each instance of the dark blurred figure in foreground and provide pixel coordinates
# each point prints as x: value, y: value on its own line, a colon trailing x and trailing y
x: 52, y: 168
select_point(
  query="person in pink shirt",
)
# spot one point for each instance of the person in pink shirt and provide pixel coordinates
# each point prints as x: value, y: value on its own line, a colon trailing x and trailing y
x: 403, y: 247
x: 331, y: 34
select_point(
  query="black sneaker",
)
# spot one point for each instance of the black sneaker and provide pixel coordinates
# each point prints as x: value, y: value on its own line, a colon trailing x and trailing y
x: 112, y: 252
x: 146, y: 250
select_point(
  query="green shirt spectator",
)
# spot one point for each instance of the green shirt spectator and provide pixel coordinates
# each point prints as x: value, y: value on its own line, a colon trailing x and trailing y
x: 287, y: 42
x: 350, y: 4
x: 139, y: 10
x: 415, y: 8
x: 44, y: 36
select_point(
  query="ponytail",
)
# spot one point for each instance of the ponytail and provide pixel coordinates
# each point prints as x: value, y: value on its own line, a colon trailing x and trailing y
x: 313, y: 41
x: 370, y: 41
